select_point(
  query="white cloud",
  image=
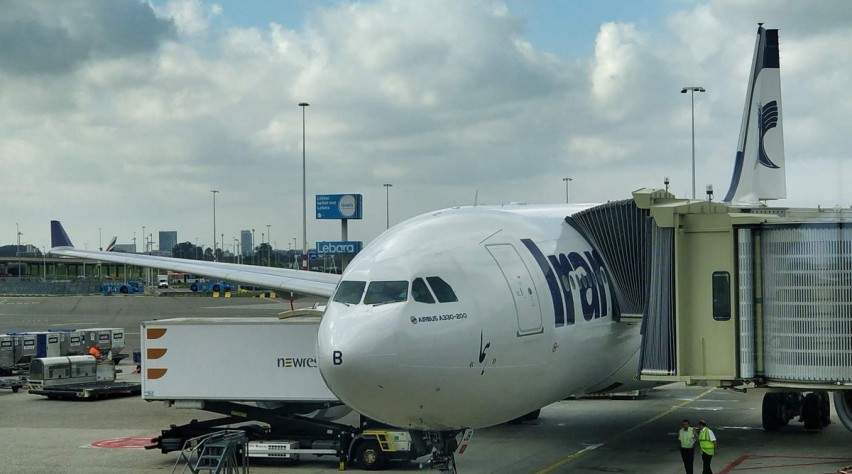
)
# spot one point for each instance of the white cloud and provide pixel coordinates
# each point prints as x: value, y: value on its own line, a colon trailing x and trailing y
x: 441, y: 98
x: 191, y: 17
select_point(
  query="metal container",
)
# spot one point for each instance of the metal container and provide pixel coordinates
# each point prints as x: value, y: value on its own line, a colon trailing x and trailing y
x: 25, y: 347
x: 48, y: 344
x: 7, y: 351
x: 71, y: 341
x: 46, y: 372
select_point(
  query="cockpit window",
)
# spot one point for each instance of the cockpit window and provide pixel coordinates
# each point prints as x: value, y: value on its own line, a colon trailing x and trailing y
x: 443, y: 291
x: 381, y: 292
x: 350, y: 292
x: 420, y: 292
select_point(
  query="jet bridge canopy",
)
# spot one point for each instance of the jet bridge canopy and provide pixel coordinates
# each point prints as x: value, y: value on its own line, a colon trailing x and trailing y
x: 748, y: 295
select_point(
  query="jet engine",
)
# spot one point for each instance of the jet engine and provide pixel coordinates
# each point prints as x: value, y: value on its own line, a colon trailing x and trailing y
x: 843, y: 407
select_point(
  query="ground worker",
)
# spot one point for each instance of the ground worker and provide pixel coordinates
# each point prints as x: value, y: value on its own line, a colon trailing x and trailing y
x: 686, y: 436
x: 95, y: 351
x: 707, y: 441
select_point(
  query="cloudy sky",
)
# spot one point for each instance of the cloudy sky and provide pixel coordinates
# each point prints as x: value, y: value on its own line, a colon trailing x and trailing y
x: 116, y: 115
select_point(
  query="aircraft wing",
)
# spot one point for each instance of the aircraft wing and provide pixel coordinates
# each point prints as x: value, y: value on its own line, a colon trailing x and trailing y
x: 279, y: 279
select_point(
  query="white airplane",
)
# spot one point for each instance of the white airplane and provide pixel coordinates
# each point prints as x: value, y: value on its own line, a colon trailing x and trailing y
x: 472, y: 316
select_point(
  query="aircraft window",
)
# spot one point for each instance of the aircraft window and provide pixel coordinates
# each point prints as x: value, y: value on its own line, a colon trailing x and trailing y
x: 349, y: 292
x: 381, y: 292
x: 420, y: 292
x: 443, y: 291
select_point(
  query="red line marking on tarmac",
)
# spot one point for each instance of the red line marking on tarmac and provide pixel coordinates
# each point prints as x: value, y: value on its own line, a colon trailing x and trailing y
x: 136, y: 443
x: 818, y: 460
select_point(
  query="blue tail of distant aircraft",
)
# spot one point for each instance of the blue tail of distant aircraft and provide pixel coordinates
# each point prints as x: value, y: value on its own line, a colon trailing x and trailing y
x: 759, y: 171
x: 58, y: 237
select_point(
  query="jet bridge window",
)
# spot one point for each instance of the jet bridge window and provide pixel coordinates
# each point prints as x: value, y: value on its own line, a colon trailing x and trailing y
x: 721, y: 296
x: 349, y: 292
x: 443, y: 291
x: 382, y: 292
x: 420, y: 292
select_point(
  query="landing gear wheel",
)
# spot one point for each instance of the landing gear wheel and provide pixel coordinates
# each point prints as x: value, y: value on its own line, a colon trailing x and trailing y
x: 771, y: 412
x: 215, y: 288
x: 811, y: 412
x: 825, y: 408
x: 370, y: 456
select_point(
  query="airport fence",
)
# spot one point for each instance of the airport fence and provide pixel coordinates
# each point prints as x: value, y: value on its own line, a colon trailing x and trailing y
x: 33, y: 287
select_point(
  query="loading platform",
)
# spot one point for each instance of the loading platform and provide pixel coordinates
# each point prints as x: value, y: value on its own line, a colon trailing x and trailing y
x: 91, y: 391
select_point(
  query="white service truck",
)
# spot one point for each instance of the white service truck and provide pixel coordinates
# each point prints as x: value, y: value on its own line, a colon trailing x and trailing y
x: 261, y: 372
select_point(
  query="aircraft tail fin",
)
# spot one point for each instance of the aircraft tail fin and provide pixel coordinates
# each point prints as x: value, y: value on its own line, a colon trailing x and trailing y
x: 111, y: 246
x: 58, y: 237
x: 759, y: 171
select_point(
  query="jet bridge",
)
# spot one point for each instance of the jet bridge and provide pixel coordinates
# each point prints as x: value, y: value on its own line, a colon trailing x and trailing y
x: 761, y: 297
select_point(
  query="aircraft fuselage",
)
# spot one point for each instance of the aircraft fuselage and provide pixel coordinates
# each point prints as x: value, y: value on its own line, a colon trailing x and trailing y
x: 532, y: 321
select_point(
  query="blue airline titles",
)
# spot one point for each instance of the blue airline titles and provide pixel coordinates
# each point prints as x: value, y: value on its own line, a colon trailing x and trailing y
x: 569, y: 285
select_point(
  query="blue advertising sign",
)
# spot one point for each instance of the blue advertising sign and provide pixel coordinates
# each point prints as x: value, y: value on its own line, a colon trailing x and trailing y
x: 342, y: 246
x: 338, y: 206
x: 313, y: 256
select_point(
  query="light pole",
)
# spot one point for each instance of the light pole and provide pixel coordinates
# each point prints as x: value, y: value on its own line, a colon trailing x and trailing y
x: 144, y: 240
x: 567, y: 196
x: 18, y: 248
x: 269, y: 238
x: 304, y: 195
x: 692, y: 90
x: 387, y: 204
x: 253, y: 253
x: 100, y: 242
x: 215, y: 192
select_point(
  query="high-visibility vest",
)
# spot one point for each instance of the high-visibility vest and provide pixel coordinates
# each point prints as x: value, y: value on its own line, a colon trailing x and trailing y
x: 705, y: 441
x: 687, y: 439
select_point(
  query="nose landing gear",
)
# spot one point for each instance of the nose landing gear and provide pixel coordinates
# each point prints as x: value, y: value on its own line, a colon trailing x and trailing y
x: 444, y: 445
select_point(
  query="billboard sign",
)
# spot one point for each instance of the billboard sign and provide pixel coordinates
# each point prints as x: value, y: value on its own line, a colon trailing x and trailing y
x: 339, y: 247
x: 338, y: 206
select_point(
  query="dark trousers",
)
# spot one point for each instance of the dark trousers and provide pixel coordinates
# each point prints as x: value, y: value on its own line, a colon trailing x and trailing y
x: 688, y: 456
x: 706, y: 458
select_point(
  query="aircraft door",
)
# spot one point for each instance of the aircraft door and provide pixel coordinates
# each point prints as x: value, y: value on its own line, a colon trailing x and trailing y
x: 521, y: 284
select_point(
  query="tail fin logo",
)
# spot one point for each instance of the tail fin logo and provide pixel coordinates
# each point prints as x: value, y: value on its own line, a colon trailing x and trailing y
x: 768, y: 120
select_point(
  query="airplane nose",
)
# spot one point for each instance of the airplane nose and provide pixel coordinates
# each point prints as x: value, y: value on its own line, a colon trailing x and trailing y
x: 358, y: 361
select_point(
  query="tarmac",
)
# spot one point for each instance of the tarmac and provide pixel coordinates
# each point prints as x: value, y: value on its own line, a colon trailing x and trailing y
x: 598, y: 435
